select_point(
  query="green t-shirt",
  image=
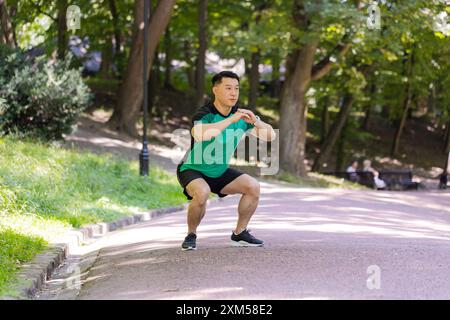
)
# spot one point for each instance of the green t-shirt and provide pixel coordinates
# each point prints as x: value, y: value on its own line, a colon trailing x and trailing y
x: 212, y: 157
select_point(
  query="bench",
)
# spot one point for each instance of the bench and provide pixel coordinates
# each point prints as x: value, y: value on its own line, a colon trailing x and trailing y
x: 394, y: 179
x: 362, y: 177
x: 399, y: 179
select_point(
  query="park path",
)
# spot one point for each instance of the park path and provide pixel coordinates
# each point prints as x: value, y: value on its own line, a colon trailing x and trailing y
x: 320, y: 244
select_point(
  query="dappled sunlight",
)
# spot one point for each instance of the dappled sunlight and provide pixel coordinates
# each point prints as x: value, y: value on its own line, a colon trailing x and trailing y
x: 182, y: 293
x: 296, y: 226
x: 105, y: 142
x: 315, y: 198
x: 139, y: 261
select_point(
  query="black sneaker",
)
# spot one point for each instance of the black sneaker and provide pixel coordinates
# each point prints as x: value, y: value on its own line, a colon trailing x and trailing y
x: 245, y: 239
x: 189, y: 242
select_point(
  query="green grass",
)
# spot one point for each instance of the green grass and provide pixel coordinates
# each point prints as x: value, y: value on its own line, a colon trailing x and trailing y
x: 45, y: 190
x: 15, y: 249
x: 108, y: 85
x: 317, y: 180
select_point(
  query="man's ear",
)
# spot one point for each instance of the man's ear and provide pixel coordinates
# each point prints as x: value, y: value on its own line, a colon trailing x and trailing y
x: 214, y: 90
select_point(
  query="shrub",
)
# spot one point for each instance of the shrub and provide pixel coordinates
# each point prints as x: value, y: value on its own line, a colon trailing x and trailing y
x: 39, y: 98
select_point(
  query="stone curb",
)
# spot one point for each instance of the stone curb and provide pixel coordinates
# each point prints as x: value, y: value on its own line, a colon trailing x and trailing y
x: 35, y: 273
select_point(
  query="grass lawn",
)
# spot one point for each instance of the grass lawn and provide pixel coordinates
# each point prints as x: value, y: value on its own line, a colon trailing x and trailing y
x: 317, y: 180
x: 45, y: 190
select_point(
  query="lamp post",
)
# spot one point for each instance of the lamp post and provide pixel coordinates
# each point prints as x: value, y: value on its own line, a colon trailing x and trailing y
x: 144, y: 155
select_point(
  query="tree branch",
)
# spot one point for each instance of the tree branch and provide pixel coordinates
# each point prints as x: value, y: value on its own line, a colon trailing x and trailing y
x: 324, y: 66
x: 38, y: 8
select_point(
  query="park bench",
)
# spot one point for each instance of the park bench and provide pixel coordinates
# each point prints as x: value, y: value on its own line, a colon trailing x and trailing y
x: 399, y: 179
x: 362, y: 177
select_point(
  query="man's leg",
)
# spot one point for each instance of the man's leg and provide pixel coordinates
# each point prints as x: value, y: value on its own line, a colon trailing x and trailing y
x: 199, y: 190
x: 249, y: 188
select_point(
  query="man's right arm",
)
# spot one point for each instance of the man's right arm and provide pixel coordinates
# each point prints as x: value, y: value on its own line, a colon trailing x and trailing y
x: 207, y: 131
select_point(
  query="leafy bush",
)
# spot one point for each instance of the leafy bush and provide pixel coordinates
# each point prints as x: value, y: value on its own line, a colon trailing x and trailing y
x: 39, y: 98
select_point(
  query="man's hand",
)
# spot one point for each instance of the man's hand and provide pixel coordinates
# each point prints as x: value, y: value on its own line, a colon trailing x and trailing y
x: 241, y: 115
x: 251, y: 116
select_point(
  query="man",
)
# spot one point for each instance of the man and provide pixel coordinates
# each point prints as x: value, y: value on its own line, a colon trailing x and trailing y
x: 217, y: 129
x: 379, y: 183
x: 351, y: 170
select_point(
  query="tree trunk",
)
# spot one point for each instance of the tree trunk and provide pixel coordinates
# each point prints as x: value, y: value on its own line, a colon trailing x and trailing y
x: 12, y: 18
x: 328, y: 144
x: 254, y: 79
x: 131, y: 91
x: 190, y: 73
x: 301, y: 70
x: 446, y: 148
x: 431, y: 103
x: 325, y: 118
x: 168, y: 60
x: 62, y: 28
x: 154, y: 84
x: 341, y: 155
x: 117, y: 36
x: 294, y: 109
x: 106, y: 60
x: 200, y: 70
x: 406, y: 105
x: 6, y: 27
x: 401, y: 123
x: 276, y: 77
x: 366, y: 121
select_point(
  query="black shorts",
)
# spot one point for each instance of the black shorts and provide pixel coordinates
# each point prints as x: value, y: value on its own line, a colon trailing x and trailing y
x: 215, y: 184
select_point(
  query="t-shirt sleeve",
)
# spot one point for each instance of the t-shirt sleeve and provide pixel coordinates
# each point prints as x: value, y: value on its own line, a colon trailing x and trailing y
x: 249, y: 126
x: 203, y: 115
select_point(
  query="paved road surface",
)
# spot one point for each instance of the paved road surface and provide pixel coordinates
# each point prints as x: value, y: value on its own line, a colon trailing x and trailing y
x: 320, y: 244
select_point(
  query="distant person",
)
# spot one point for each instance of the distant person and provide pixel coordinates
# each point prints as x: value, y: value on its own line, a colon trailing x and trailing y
x: 221, y: 125
x: 351, y: 170
x: 367, y: 167
x: 443, y: 179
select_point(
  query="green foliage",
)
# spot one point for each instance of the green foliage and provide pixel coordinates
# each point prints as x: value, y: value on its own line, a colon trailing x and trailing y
x: 41, y: 98
x: 79, y: 188
x: 15, y: 249
x: 45, y: 190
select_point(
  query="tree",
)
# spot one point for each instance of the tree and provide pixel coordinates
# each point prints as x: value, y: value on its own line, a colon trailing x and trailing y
x: 301, y: 70
x: 202, y: 39
x: 117, y: 35
x: 62, y: 28
x: 131, y: 90
x: 335, y: 131
x: 7, y: 34
x: 408, y: 63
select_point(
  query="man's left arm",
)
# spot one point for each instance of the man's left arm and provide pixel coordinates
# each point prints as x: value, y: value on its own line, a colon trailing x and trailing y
x: 261, y: 129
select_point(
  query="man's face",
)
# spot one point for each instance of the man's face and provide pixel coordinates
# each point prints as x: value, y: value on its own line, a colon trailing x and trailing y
x: 227, y: 92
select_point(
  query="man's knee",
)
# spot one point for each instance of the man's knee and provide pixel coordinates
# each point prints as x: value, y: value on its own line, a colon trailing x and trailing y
x: 201, y: 194
x: 253, y: 188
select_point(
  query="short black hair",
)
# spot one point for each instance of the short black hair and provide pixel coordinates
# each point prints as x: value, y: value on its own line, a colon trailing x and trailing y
x: 217, y: 79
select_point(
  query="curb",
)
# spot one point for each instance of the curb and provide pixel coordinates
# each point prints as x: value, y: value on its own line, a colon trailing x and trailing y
x: 34, y: 274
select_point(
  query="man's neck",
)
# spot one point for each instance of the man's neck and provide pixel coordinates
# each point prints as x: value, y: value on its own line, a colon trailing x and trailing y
x: 222, y: 108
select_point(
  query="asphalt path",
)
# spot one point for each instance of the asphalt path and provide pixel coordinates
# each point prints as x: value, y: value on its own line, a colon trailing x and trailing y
x: 319, y: 244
